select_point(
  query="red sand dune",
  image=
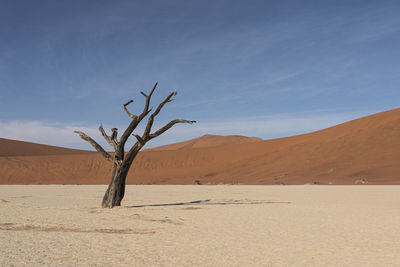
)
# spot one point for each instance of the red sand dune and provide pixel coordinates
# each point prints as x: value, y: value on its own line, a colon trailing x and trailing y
x: 10, y: 148
x: 208, y: 140
x: 366, y: 148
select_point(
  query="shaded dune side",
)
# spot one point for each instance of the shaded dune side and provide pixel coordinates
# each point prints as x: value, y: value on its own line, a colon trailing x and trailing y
x: 366, y: 148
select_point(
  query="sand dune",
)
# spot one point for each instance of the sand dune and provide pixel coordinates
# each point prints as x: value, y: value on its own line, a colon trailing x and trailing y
x: 10, y: 148
x: 365, y: 150
x: 208, y: 140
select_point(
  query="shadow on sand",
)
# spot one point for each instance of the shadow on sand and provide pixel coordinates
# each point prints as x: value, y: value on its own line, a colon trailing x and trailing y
x: 210, y: 202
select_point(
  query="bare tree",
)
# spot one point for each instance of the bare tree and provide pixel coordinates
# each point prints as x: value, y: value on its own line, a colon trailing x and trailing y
x: 122, y: 161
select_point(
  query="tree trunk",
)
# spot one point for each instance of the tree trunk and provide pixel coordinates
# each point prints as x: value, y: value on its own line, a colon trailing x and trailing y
x: 116, y: 189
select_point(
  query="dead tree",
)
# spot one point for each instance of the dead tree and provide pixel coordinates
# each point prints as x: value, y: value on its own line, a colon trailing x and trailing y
x: 123, y: 160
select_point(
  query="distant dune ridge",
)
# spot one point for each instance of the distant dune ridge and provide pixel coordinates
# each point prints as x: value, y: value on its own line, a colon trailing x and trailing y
x: 362, y: 151
x: 10, y: 148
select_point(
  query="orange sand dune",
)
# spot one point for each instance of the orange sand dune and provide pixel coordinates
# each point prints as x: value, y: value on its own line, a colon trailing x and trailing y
x: 10, y: 148
x: 359, y: 151
x: 208, y: 140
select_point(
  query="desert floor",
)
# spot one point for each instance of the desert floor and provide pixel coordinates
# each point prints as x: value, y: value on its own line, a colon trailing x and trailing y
x: 220, y: 225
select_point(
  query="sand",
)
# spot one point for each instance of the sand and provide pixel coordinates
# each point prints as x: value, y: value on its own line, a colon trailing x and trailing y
x: 365, y: 149
x: 309, y: 225
x: 208, y: 140
x: 11, y: 148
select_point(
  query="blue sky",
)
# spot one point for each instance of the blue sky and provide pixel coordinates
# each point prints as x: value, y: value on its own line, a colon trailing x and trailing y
x: 257, y: 68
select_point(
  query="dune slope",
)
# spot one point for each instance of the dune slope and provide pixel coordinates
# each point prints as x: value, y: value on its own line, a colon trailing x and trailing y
x: 365, y: 150
x: 10, y: 148
x: 208, y: 140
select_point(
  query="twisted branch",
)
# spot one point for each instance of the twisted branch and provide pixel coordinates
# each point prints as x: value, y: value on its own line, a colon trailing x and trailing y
x: 127, y: 111
x: 141, y: 140
x: 146, y: 134
x: 136, y: 119
x: 114, y: 136
x: 108, y: 139
x: 148, y: 97
x: 96, y: 146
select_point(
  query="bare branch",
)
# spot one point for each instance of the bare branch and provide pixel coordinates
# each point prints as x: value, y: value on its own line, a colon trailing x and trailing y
x: 151, y: 118
x: 114, y: 135
x: 113, y: 141
x: 137, y: 119
x: 96, y: 146
x: 103, y: 133
x: 167, y: 100
x: 148, y: 97
x: 167, y: 127
x: 140, y: 139
x: 127, y: 111
x: 130, y: 156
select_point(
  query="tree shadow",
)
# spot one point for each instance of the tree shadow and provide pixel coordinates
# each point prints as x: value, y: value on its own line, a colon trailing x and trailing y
x: 209, y: 202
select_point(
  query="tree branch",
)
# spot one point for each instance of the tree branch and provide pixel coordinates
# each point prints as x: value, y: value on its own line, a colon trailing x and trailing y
x: 148, y: 97
x: 114, y: 136
x: 96, y: 146
x: 167, y: 127
x: 127, y: 111
x: 140, y: 139
x: 137, y: 119
x: 146, y: 134
x: 132, y: 153
x: 108, y: 139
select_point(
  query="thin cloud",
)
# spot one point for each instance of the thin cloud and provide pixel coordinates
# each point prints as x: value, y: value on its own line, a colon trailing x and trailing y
x: 45, y: 133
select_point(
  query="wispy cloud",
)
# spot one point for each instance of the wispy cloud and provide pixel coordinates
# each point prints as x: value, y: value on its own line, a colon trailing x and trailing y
x: 46, y: 133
